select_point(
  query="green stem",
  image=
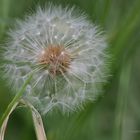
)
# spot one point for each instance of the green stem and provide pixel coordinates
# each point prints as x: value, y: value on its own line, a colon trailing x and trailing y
x: 4, y: 124
x: 14, y: 101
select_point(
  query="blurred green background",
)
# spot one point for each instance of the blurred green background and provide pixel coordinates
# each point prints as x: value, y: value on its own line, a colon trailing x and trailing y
x: 116, y: 114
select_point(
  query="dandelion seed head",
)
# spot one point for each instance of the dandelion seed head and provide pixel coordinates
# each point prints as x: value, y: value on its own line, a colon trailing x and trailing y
x: 67, y: 53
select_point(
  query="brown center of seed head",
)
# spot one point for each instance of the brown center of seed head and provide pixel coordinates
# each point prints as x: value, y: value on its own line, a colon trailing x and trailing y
x: 56, y: 59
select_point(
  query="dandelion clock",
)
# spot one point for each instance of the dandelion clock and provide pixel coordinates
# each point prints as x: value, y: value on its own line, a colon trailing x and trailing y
x: 66, y: 54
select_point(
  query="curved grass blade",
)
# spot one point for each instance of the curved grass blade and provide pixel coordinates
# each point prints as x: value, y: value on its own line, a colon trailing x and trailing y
x: 38, y: 123
x: 11, y: 107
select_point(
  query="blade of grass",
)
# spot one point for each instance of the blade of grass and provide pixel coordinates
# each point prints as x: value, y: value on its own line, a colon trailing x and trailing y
x: 5, y: 6
x: 38, y: 123
x: 4, y: 125
x: 121, y: 104
x: 105, y: 12
x: 127, y: 28
x: 11, y: 107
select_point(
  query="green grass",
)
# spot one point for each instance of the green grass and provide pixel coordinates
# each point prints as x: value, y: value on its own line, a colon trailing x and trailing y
x: 115, y: 115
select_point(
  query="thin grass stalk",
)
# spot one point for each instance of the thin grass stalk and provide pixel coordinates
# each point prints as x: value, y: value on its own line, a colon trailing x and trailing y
x: 121, y: 105
x: 37, y: 120
x: 4, y: 124
x: 11, y: 107
x: 38, y: 124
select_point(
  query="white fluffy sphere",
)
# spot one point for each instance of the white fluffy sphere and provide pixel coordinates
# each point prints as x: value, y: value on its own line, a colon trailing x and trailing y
x: 67, y: 54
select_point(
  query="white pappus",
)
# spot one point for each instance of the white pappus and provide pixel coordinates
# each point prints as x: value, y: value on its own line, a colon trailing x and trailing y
x: 67, y: 53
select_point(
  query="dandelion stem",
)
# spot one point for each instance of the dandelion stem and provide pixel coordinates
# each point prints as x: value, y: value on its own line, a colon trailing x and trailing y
x: 11, y: 107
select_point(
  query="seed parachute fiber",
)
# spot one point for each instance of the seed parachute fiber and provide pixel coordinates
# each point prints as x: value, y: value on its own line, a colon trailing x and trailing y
x: 67, y: 54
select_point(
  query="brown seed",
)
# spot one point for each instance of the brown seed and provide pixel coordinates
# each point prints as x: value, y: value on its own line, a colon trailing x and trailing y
x: 56, y: 58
